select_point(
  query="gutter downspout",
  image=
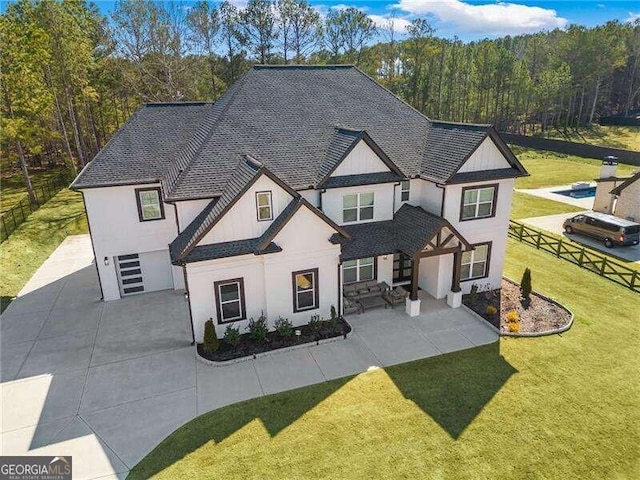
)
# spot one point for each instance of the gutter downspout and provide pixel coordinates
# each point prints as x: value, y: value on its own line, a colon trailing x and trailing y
x: 186, y: 287
x: 324, y: 190
x: 394, y: 196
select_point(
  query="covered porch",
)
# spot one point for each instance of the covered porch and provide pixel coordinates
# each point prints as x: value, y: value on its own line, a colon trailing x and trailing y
x: 401, y: 262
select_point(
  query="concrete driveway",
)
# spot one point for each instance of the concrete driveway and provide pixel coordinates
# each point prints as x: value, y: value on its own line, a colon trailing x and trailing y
x: 106, y: 382
x: 553, y: 224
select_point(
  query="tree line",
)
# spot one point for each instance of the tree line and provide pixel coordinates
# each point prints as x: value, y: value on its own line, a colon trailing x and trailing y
x: 72, y: 76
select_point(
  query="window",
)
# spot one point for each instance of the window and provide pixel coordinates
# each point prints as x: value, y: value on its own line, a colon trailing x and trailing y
x: 357, y: 207
x: 149, y: 204
x: 358, y: 270
x: 230, y: 300
x: 305, y: 290
x: 475, y: 264
x: 263, y: 206
x: 478, y: 202
x: 404, y: 190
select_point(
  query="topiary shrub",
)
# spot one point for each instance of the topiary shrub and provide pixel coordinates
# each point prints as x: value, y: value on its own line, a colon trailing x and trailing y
x: 211, y: 343
x: 232, y: 335
x: 334, y: 317
x: 284, y: 327
x: 525, y: 286
x: 474, y: 296
x: 513, y: 321
x: 315, y: 324
x: 258, y: 329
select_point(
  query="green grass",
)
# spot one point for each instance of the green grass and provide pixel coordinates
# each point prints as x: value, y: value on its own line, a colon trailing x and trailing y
x: 565, y: 406
x: 548, y: 169
x: 12, y: 188
x: 524, y: 205
x: 607, y: 136
x: 33, y: 241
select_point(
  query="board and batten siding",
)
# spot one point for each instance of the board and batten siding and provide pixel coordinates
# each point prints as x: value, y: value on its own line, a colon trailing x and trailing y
x: 267, y: 278
x: 361, y: 159
x: 383, y: 201
x: 189, y: 209
x: 492, y: 229
x: 486, y: 157
x: 116, y: 229
x: 241, y: 221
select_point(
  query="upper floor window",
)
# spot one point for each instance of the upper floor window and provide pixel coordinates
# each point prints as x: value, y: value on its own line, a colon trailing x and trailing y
x: 358, y: 270
x: 404, y: 192
x: 263, y: 206
x: 475, y: 263
x: 357, y: 207
x: 149, y: 204
x: 478, y: 202
x: 305, y: 290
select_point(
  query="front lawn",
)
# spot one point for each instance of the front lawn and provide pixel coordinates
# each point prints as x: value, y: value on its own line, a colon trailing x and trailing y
x: 627, y: 138
x: 524, y: 205
x: 565, y: 406
x: 33, y: 241
x: 549, y: 169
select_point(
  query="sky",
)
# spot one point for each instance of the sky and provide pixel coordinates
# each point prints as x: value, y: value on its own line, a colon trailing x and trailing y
x: 477, y: 19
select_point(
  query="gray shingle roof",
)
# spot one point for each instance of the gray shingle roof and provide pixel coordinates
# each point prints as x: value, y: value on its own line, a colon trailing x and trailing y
x: 362, y: 179
x: 408, y: 232
x: 484, y: 175
x: 229, y: 249
x: 145, y: 148
x: 297, y: 120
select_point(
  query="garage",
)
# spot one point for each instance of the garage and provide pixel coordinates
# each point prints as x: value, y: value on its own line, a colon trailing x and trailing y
x: 143, y: 272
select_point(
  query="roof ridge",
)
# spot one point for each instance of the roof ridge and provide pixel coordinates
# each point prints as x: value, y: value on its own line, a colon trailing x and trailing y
x: 176, y: 104
x: 463, y: 124
x: 183, y: 162
x: 331, y: 66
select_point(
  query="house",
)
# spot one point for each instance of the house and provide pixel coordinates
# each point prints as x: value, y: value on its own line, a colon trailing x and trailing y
x: 619, y: 196
x: 297, y: 181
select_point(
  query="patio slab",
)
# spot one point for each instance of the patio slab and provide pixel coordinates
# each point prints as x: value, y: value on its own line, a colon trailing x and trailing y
x: 447, y: 341
x: 142, y: 377
x: 479, y: 334
x: 240, y: 382
x: 132, y: 430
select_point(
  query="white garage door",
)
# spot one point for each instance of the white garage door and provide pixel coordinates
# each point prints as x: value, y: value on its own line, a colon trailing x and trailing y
x: 144, y: 272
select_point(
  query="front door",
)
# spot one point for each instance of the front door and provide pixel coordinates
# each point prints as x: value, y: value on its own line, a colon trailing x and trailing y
x: 402, y: 267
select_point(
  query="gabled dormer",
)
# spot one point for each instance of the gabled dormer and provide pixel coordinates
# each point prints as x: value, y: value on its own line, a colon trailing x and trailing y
x: 354, y: 158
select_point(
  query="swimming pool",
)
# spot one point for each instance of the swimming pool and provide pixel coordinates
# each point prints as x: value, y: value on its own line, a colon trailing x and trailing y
x: 589, y: 192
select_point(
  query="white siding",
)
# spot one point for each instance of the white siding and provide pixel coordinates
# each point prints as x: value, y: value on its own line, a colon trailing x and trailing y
x: 430, y: 197
x: 241, y: 221
x: 362, y: 159
x: 189, y: 209
x: 311, y: 196
x: 493, y: 229
x: 268, y: 278
x: 385, y: 269
x: 117, y: 230
x: 383, y: 201
x: 486, y: 157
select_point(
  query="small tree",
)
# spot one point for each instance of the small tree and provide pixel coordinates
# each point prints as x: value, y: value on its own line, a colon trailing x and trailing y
x: 525, y: 286
x: 211, y: 342
x: 334, y: 317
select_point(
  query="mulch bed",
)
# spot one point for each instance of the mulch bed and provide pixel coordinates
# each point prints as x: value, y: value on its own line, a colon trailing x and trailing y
x: 248, y: 347
x: 541, y: 315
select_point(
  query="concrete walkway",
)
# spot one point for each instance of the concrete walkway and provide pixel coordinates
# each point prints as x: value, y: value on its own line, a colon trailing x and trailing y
x: 106, y: 382
x: 553, y: 224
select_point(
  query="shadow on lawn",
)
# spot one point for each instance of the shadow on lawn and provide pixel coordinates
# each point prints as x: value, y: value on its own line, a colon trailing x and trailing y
x: 453, y: 389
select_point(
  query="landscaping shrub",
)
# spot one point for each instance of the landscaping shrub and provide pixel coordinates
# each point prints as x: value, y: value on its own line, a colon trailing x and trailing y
x: 211, y: 343
x: 525, y: 286
x: 474, y: 296
x: 491, y: 310
x: 334, y: 318
x: 232, y: 335
x: 284, y: 327
x: 258, y: 329
x: 315, y: 324
x: 513, y: 321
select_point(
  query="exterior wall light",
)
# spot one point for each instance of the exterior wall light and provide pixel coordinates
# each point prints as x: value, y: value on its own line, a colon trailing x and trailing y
x: 106, y: 261
x: 186, y: 296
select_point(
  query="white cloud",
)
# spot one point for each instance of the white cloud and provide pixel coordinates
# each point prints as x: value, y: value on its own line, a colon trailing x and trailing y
x: 633, y: 17
x: 399, y: 24
x: 490, y: 19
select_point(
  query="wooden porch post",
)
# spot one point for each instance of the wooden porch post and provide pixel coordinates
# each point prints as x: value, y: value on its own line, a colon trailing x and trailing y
x: 457, y: 266
x: 415, y: 272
